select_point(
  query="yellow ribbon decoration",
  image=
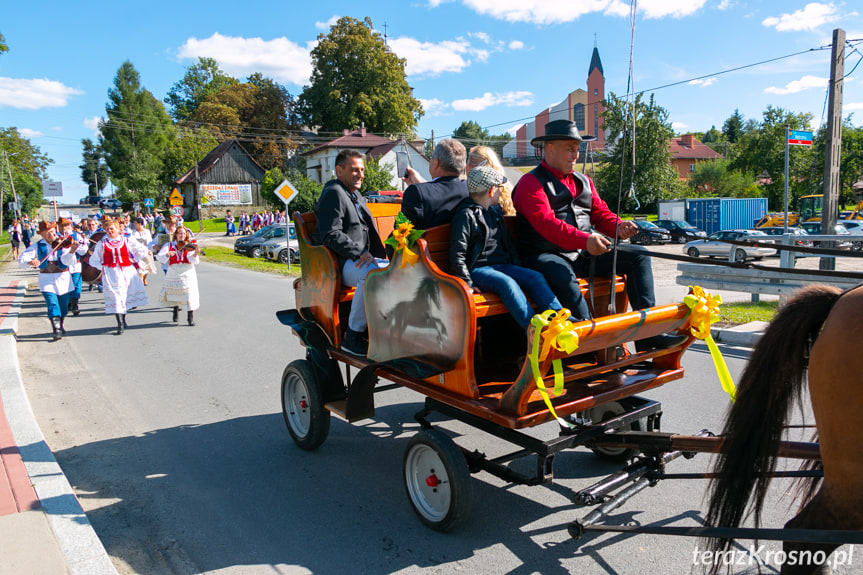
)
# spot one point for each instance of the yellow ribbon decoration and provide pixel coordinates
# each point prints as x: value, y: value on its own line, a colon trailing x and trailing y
x: 554, y: 330
x: 705, y: 312
x: 401, y: 233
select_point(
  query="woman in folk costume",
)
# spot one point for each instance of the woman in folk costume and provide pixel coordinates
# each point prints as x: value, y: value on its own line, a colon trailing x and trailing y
x: 81, y: 245
x: 52, y: 257
x: 115, y: 255
x: 180, y: 288
x: 146, y: 265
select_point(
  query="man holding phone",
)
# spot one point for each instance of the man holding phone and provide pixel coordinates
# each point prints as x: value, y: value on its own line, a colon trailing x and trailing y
x: 430, y: 204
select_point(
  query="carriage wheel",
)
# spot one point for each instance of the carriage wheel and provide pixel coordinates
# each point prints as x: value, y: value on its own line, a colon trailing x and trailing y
x: 303, y: 406
x: 606, y: 411
x: 437, y: 480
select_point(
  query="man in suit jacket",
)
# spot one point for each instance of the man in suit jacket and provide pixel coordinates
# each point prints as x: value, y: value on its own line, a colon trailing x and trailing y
x: 430, y: 204
x: 346, y: 226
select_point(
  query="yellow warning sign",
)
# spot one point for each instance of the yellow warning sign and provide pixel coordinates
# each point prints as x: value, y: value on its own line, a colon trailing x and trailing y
x: 176, y: 198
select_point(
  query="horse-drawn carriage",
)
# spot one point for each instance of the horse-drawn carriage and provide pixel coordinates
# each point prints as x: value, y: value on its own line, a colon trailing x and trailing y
x: 430, y: 333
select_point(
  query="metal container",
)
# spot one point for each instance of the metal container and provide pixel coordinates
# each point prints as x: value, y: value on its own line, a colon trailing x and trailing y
x: 715, y: 214
x: 672, y: 210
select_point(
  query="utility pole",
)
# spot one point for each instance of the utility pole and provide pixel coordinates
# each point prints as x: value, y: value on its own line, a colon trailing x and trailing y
x: 833, y: 144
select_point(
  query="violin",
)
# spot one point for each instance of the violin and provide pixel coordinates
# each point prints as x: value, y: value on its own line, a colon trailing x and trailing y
x: 189, y: 246
x: 64, y: 242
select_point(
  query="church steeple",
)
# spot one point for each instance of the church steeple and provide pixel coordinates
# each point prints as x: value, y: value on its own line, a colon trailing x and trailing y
x: 595, y: 62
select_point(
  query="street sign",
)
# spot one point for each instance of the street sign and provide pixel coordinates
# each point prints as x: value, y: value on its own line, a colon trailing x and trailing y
x: 177, y: 211
x: 286, y: 192
x: 176, y: 198
x: 148, y: 202
x: 51, y: 189
x: 799, y: 138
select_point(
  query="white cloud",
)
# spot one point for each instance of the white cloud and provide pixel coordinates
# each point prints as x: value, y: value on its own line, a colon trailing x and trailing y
x: 852, y: 107
x: 703, y: 83
x: 57, y: 129
x: 804, y: 83
x: 488, y: 100
x: 678, y: 126
x: 516, y: 45
x: 555, y: 12
x: 433, y: 106
x: 427, y: 59
x: 93, y: 124
x: 481, y: 35
x: 278, y: 58
x: 28, y: 133
x: 810, y: 17
x: 672, y: 8
x: 325, y: 26
x: 34, y: 94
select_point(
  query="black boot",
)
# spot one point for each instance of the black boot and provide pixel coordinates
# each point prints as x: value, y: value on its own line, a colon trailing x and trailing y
x: 123, y: 317
x: 191, y: 317
x: 62, y: 329
x: 176, y: 314
x: 120, y: 327
x: 55, y: 328
x: 73, y: 307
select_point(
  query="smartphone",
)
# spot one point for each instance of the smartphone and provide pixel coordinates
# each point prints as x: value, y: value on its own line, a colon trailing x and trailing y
x: 402, y: 164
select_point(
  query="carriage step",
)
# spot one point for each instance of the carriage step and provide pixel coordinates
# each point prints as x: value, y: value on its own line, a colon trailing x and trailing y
x: 338, y: 408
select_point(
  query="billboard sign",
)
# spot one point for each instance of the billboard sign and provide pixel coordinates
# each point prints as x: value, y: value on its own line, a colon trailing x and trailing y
x: 226, y: 194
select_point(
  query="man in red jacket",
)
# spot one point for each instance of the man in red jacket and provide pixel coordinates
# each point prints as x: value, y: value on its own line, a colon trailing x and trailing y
x: 563, y: 225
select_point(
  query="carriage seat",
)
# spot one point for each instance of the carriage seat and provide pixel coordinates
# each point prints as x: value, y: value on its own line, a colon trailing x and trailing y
x: 320, y: 295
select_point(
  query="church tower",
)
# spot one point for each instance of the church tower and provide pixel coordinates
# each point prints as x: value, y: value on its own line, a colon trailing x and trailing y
x: 595, y: 97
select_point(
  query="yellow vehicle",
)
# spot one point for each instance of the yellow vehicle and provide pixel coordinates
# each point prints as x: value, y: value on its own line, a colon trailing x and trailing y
x: 810, y: 211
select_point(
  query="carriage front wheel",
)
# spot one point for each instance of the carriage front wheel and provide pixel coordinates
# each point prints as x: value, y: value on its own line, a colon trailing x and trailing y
x: 307, y: 419
x: 605, y: 411
x: 437, y: 480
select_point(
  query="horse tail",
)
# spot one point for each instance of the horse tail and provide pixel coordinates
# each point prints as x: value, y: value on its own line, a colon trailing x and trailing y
x: 754, y: 425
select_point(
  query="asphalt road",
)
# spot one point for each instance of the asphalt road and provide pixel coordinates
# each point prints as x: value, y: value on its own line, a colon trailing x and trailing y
x: 173, y: 438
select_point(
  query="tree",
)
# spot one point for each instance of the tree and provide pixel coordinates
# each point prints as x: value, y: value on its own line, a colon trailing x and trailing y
x: 471, y: 134
x: 732, y: 129
x: 28, y: 166
x: 309, y: 190
x: 134, y: 136
x: 356, y: 80
x: 4, y: 47
x: 377, y: 177
x: 850, y: 162
x: 652, y: 175
x: 184, y: 151
x: 201, y: 79
x: 714, y: 179
x: 93, y: 171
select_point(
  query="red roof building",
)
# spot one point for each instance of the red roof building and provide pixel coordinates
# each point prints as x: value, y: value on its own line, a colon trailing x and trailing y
x: 687, y: 152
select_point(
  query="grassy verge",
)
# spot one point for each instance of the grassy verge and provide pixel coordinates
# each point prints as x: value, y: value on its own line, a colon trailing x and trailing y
x: 226, y: 256
x: 743, y: 312
x: 5, y: 253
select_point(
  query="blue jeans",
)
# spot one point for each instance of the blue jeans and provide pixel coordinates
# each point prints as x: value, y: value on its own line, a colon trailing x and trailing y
x: 354, y: 276
x: 76, y: 286
x: 510, y: 282
x: 58, y: 305
x: 562, y: 275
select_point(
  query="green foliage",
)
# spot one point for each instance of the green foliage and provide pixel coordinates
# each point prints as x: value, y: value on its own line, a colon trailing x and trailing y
x: 28, y: 166
x: 182, y: 153
x: 377, y: 177
x: 357, y: 80
x: 472, y: 134
x: 134, y: 136
x: 850, y: 162
x: 652, y: 175
x: 93, y: 171
x: 201, y: 79
x: 733, y: 127
x: 4, y: 47
x: 714, y: 179
x: 309, y: 190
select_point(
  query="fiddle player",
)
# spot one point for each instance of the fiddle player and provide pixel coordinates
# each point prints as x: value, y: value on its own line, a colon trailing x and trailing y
x: 180, y: 288
x: 122, y: 287
x: 81, y: 245
x: 52, y: 256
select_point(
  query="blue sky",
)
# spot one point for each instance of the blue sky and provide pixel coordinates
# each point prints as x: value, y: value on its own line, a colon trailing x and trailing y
x: 496, y: 62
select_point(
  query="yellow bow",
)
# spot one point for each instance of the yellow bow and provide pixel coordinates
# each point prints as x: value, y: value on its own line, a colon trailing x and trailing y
x: 401, y: 233
x: 554, y: 330
x: 705, y: 312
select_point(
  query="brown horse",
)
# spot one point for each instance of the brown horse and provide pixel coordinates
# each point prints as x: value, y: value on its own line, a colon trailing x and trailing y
x: 820, y: 328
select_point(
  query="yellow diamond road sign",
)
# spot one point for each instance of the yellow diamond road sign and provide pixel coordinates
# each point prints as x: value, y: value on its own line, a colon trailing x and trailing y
x: 286, y: 191
x: 176, y: 198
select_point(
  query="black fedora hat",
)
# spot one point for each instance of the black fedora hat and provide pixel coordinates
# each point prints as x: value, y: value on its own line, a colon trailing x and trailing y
x: 557, y: 130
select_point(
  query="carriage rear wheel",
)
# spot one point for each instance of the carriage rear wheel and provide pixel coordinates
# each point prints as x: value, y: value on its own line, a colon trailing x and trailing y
x: 437, y: 480
x: 599, y: 414
x: 307, y: 419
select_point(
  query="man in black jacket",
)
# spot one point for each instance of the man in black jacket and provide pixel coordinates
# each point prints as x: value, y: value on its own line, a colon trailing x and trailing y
x: 430, y: 204
x: 346, y: 226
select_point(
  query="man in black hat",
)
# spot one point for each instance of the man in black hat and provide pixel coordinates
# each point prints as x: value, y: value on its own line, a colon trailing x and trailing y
x: 558, y: 210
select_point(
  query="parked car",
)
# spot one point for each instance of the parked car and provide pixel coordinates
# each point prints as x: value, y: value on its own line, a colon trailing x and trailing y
x: 649, y: 234
x: 111, y: 203
x: 715, y: 245
x: 681, y: 231
x: 855, y: 228
x: 814, y: 229
x: 251, y: 245
x: 283, y: 249
x: 795, y: 231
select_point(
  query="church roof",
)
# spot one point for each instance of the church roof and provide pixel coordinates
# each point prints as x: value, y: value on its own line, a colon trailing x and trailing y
x: 595, y: 62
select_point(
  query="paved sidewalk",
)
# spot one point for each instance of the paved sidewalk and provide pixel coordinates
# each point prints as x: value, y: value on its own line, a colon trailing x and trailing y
x: 43, y: 528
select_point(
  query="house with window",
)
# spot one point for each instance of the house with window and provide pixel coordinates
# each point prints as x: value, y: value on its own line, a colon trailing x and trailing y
x: 687, y: 152
x: 321, y: 160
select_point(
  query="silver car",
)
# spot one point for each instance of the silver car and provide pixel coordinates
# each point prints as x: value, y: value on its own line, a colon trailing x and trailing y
x: 714, y: 245
x: 284, y: 249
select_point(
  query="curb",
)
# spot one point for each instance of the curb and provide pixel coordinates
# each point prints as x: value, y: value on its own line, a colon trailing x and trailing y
x: 746, y: 335
x: 81, y: 547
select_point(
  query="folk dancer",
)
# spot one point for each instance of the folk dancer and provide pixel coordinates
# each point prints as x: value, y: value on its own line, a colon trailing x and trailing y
x: 115, y: 256
x: 147, y: 264
x: 180, y: 288
x: 80, y: 244
x: 52, y: 259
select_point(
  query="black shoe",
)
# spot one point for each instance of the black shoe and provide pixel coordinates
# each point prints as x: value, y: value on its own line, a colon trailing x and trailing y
x: 176, y: 317
x: 356, y: 343
x: 62, y: 329
x: 190, y: 317
x: 73, y: 307
x: 123, y: 317
x: 55, y: 328
x: 120, y: 326
x: 663, y: 341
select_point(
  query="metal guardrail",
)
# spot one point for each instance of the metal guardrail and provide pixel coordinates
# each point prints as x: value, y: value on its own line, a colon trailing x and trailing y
x: 759, y: 281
